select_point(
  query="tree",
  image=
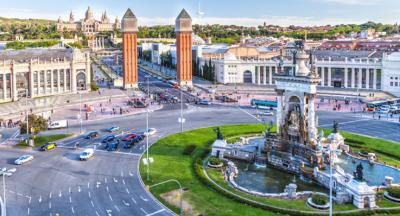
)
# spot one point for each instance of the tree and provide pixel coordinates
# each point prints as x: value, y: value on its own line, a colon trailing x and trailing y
x: 36, y: 124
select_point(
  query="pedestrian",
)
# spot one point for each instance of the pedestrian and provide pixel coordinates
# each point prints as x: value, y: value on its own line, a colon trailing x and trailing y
x: 379, y: 117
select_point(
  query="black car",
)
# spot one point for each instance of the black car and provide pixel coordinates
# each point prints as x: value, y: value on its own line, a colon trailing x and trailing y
x: 92, y: 134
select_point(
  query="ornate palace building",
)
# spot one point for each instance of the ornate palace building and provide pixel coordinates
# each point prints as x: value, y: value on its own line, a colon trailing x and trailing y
x: 88, y: 25
x: 43, y: 72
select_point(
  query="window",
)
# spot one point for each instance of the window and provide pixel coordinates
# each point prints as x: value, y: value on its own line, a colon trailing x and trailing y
x: 391, y: 83
x: 1, y: 86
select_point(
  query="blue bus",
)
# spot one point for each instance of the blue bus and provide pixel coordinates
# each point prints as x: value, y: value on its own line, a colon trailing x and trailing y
x: 264, y: 104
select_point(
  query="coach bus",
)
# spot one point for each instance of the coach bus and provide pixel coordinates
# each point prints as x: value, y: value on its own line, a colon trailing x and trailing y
x: 264, y: 104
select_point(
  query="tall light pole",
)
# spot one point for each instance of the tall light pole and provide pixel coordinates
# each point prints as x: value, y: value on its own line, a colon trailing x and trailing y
x: 27, y: 115
x: 181, y: 120
x: 147, y: 131
x: 80, y: 111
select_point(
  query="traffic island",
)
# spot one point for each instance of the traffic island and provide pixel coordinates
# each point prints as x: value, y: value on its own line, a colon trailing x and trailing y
x: 183, y: 156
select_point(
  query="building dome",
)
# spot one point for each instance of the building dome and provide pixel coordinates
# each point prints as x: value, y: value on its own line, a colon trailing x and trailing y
x: 230, y: 57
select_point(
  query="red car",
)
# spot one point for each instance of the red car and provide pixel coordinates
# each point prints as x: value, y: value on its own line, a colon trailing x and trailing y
x: 129, y: 137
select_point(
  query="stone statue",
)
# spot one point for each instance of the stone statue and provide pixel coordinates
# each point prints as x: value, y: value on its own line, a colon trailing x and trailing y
x: 268, y: 130
x: 358, y: 174
x: 219, y: 134
x: 299, y: 44
x: 335, y: 126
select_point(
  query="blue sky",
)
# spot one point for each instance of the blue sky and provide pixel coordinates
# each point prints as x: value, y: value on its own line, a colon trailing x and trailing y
x: 242, y: 12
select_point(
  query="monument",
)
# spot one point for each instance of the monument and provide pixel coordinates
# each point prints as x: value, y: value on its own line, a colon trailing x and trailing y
x: 129, y: 50
x: 295, y: 144
x: 183, y: 29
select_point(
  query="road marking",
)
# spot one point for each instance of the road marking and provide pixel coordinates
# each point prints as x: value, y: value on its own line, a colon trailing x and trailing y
x: 89, y: 194
x: 131, y: 174
x: 11, y: 191
x: 127, y: 190
x: 126, y: 203
x: 72, y: 209
x: 107, y: 188
x: 123, y: 181
x: 92, y: 203
x: 98, y: 184
x: 349, y: 122
x: 116, y: 207
x: 19, y: 194
x: 115, y: 180
x: 60, y: 194
x: 122, y: 173
x: 29, y: 200
x: 143, y: 199
x: 143, y: 211
x: 105, y: 180
x: 40, y: 198
x: 97, y: 213
x: 49, y: 205
x: 159, y: 211
x: 88, y: 185
x: 50, y: 195
x: 79, y: 189
x: 133, y: 199
x: 70, y: 200
x: 69, y: 189
x: 110, y: 197
x: 28, y: 211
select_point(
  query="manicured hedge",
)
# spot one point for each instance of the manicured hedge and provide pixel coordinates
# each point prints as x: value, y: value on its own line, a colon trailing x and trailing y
x: 214, y: 161
x: 319, y: 199
x: 189, y: 149
x: 394, y: 192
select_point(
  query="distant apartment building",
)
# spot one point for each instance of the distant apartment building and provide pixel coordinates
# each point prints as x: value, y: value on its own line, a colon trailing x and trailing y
x: 43, y: 72
x: 88, y: 25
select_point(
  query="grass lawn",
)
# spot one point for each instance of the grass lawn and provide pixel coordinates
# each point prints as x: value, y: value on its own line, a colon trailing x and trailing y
x: 170, y: 162
x: 41, y: 140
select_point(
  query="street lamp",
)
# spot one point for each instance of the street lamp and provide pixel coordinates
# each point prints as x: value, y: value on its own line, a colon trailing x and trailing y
x: 147, y: 131
x: 80, y: 111
x: 182, y: 120
x: 4, y: 173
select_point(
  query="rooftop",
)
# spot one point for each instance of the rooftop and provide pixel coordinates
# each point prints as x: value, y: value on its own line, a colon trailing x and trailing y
x: 43, y: 54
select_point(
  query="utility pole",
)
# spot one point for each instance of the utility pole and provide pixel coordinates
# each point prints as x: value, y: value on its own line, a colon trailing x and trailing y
x: 147, y: 132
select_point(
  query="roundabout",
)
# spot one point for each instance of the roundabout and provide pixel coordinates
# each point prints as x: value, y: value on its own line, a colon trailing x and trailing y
x: 206, y: 191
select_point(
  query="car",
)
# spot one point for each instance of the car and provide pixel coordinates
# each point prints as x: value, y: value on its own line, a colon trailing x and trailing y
x: 48, y: 146
x: 23, y: 159
x: 113, y: 129
x: 383, y: 110
x: 204, y: 102
x: 267, y: 113
x: 108, y: 138
x: 91, y: 135
x: 150, y: 132
x: 129, y: 144
x: 86, y: 154
x: 129, y: 137
x: 112, y: 146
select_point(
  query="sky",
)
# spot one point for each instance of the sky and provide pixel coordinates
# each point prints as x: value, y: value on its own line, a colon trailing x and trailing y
x: 239, y: 12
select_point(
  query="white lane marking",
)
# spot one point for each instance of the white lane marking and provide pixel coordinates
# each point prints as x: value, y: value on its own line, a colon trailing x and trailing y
x: 98, y: 184
x: 70, y: 200
x: 60, y: 194
x: 97, y: 213
x: 92, y: 203
x: 49, y: 205
x: 127, y: 191
x: 19, y: 194
x: 115, y: 180
x: 348, y: 122
x: 105, y: 180
x: 29, y: 211
x: 159, y: 211
x: 40, y: 199
x: 89, y: 194
x: 144, y: 199
x: 107, y: 188
x: 123, y: 181
x: 126, y: 203
x: 30, y: 198
x: 72, y: 209
x: 110, y: 197
x: 50, y: 195
x: 245, y: 111
x: 131, y: 174
x: 11, y: 191
x: 133, y: 199
x: 79, y: 189
x: 88, y: 185
x: 116, y: 207
x: 69, y: 189
x: 143, y: 211
x: 122, y: 173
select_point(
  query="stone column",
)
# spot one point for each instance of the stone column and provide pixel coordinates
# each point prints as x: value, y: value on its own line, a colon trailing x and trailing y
x: 51, y: 82
x: 374, y: 79
x: 360, y: 76
x: 367, y: 79
x: 279, y: 110
x: 259, y: 76
x: 353, y: 77
x: 58, y: 81
x: 265, y: 75
x: 322, y: 76
x: 45, y: 81
x: 346, y: 77
x: 329, y: 76
x: 4, y: 86
x: 14, y: 93
x: 31, y: 84
x: 38, y: 78
x: 270, y: 75
x: 312, y: 130
x: 72, y: 78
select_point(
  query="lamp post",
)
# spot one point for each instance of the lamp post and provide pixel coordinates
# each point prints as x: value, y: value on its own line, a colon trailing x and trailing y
x: 80, y: 111
x: 147, y: 132
x: 181, y: 119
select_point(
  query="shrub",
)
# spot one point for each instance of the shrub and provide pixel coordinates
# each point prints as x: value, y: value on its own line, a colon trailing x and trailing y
x: 364, y: 151
x: 214, y: 161
x: 189, y: 149
x: 94, y: 87
x: 319, y: 199
x: 394, y: 192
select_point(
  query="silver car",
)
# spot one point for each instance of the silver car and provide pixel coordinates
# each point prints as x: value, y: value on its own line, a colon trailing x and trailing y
x: 23, y: 159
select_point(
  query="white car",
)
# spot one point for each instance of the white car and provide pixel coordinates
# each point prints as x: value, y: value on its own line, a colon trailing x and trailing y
x: 86, y: 154
x: 23, y: 159
x: 267, y: 113
x: 150, y: 132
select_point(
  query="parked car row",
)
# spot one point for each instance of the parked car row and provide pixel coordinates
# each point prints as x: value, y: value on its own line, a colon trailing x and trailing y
x: 395, y: 109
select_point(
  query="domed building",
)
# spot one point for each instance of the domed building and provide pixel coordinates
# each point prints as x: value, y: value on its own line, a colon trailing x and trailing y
x: 89, y: 25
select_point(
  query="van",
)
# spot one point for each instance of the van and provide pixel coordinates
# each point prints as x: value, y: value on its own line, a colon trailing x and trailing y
x: 58, y: 124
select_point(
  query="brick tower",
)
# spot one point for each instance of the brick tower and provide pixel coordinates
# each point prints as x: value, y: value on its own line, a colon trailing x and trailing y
x: 129, y: 49
x: 183, y: 30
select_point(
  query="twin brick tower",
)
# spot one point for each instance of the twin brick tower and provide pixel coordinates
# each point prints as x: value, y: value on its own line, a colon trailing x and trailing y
x: 183, y: 29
